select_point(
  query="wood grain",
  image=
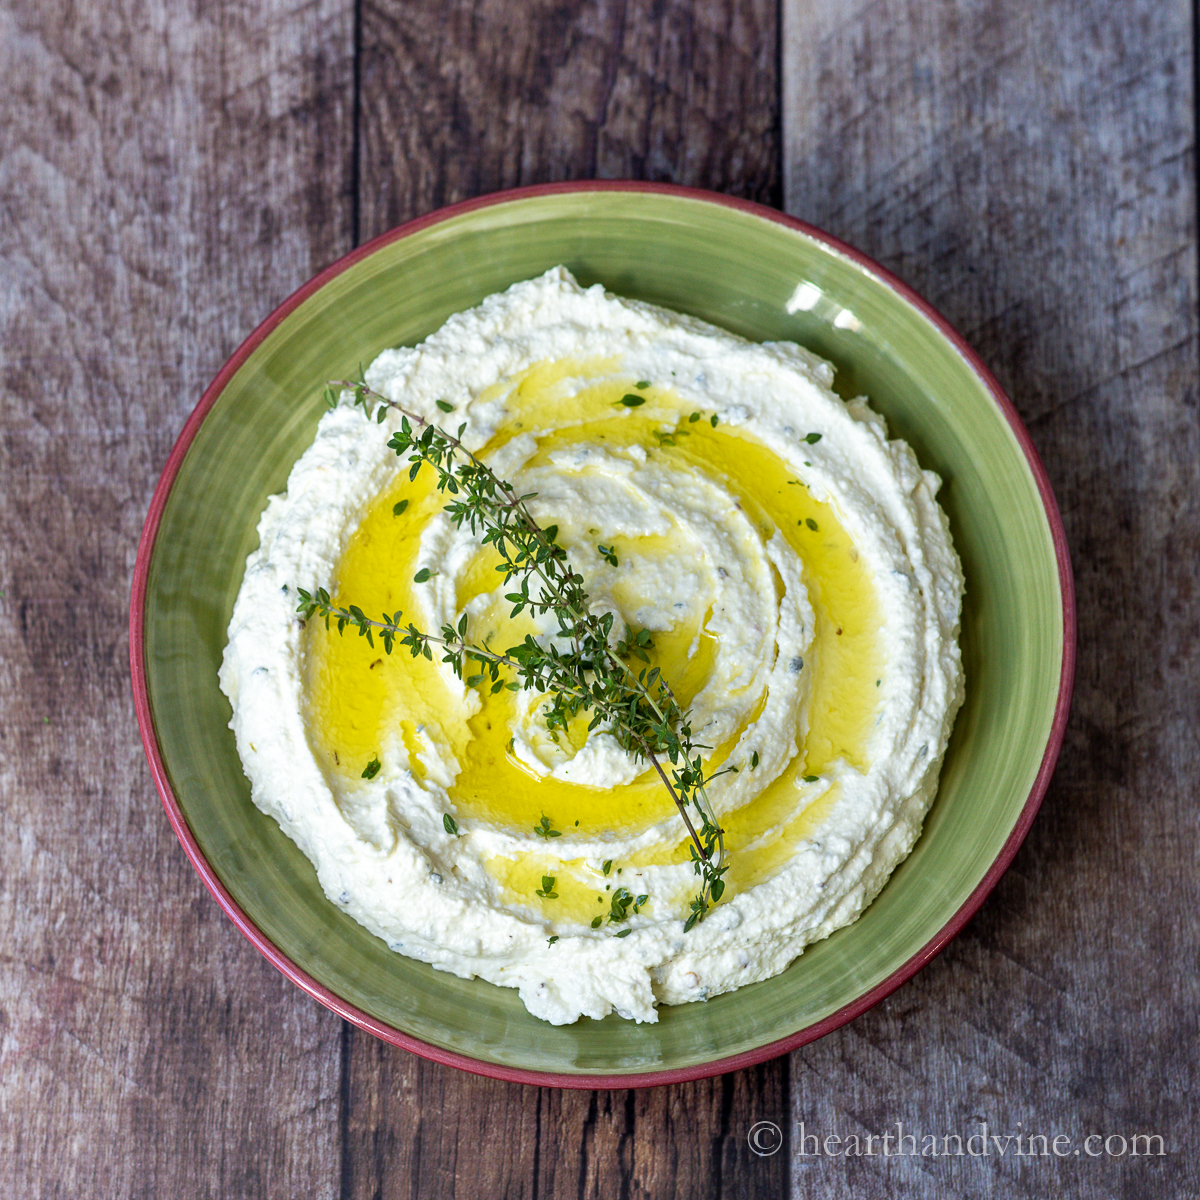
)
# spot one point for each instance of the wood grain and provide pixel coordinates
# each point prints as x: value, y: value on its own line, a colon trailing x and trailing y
x: 473, y: 96
x: 416, y: 1128
x: 166, y: 178
x: 1031, y: 171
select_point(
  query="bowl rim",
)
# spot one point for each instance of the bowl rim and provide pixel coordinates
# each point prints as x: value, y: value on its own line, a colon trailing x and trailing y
x: 748, y: 1058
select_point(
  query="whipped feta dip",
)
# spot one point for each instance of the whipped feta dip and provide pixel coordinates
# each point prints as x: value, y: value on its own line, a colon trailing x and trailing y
x: 789, y: 562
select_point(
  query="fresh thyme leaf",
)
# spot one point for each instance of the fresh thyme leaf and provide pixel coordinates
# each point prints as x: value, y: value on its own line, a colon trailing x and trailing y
x: 811, y: 524
x: 693, y: 418
x: 813, y: 438
x: 622, y: 901
x: 607, y: 866
x: 399, y: 507
x: 546, y: 891
x: 811, y: 778
x: 623, y: 933
x: 445, y: 406
x: 552, y: 939
x: 423, y: 575
x: 608, y: 553
x: 372, y: 768
x: 596, y: 922
x: 451, y: 825
x: 542, y: 828
x: 631, y: 401
x: 713, y: 420
x: 642, y: 384
x: 754, y: 760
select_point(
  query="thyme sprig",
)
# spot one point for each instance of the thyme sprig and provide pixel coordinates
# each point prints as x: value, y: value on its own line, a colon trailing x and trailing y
x: 586, y: 668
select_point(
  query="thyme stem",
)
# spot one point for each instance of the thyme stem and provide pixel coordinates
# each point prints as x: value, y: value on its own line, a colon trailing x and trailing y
x: 638, y: 705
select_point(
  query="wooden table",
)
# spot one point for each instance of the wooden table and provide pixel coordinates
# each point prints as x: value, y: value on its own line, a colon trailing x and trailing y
x: 169, y: 173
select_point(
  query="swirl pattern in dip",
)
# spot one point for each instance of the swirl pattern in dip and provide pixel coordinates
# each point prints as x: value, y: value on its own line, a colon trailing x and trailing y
x: 798, y: 581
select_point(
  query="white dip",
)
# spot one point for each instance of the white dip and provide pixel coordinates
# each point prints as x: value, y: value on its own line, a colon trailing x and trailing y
x: 795, y: 574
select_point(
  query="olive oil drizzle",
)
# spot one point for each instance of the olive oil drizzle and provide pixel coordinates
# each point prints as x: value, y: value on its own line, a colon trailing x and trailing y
x: 358, y: 707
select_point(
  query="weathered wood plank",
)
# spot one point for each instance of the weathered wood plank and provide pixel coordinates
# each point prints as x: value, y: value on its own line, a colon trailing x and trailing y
x: 166, y: 177
x: 1031, y: 171
x: 416, y: 1128
x: 457, y: 101
x: 477, y: 95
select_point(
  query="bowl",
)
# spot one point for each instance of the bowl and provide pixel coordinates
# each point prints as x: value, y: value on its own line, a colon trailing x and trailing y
x: 761, y: 275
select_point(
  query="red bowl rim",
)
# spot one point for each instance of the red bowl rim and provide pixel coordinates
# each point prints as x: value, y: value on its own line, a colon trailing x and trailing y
x: 452, y: 1058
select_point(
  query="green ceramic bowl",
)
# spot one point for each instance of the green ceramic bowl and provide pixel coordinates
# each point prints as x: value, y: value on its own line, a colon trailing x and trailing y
x: 758, y: 274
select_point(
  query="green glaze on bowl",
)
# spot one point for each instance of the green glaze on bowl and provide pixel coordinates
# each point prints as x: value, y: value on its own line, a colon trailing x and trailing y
x: 759, y: 275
